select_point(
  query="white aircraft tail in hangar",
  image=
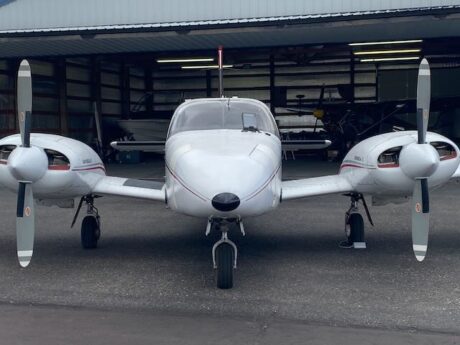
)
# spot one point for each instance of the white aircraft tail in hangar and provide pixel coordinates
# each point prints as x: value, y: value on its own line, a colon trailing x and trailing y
x: 223, y: 163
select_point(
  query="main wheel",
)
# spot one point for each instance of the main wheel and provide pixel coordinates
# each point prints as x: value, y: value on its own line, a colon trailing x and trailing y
x: 90, y: 232
x: 224, y: 259
x: 356, y: 223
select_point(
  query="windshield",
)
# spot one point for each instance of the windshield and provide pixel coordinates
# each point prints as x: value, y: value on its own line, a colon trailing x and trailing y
x: 246, y: 115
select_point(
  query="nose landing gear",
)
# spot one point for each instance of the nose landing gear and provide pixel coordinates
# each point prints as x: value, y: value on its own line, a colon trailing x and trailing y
x: 224, y: 253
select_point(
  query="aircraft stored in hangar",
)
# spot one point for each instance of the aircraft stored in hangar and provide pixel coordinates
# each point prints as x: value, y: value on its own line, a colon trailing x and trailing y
x: 223, y: 163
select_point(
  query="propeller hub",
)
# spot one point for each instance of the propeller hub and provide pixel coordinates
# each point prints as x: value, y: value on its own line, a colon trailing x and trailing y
x: 419, y: 160
x: 28, y: 164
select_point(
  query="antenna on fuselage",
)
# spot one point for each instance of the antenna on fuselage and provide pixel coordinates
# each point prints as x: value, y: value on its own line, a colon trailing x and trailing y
x: 220, y: 55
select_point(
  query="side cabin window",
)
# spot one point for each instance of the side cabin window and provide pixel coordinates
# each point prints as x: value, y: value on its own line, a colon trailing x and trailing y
x: 389, y: 158
x: 445, y: 150
x: 5, y: 151
x: 57, y: 160
x: 238, y: 114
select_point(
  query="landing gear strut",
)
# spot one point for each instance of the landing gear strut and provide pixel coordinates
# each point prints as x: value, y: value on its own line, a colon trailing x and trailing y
x: 224, y: 254
x: 91, y: 225
x: 354, y: 223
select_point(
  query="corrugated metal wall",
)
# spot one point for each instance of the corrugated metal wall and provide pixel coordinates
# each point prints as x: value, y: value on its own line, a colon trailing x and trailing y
x: 39, y: 14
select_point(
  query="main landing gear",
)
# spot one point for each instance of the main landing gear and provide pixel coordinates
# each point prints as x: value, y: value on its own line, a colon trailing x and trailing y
x: 224, y: 252
x: 354, y: 223
x: 91, y: 224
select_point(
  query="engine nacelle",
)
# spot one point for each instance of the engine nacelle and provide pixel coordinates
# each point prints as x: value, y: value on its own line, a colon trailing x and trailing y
x: 59, y: 167
x: 393, y: 161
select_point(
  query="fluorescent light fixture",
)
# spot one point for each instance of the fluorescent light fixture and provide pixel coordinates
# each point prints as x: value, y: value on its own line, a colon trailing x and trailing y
x: 391, y: 59
x: 206, y: 67
x: 385, y: 42
x: 381, y: 52
x: 185, y: 60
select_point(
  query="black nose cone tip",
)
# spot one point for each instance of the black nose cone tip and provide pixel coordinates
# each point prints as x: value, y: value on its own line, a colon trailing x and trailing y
x: 225, y: 202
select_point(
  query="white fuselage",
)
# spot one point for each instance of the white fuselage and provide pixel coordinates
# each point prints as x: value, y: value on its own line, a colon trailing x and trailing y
x: 203, y: 164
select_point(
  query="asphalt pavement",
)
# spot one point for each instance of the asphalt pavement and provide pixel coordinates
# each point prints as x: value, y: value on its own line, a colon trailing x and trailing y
x: 151, y: 279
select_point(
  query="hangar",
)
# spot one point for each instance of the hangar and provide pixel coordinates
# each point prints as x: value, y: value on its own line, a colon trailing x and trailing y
x: 293, y: 55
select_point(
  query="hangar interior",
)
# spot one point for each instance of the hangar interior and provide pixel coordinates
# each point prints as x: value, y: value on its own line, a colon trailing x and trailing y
x: 288, y: 75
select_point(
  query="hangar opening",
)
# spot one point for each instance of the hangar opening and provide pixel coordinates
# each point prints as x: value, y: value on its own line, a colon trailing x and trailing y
x: 325, y: 70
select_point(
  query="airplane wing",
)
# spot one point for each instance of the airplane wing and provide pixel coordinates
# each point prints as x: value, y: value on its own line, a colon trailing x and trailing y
x: 142, y: 189
x: 159, y: 146
x: 145, y: 146
x: 292, y: 145
x: 302, y: 188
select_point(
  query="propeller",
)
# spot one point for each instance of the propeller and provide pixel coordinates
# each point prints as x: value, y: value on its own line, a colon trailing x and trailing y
x: 420, y: 196
x: 27, y: 164
x: 419, y: 161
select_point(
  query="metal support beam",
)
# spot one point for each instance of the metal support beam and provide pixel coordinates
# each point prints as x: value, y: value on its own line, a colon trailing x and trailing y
x: 272, y: 83
x: 352, y: 77
x: 13, y: 68
x: 61, y: 76
x: 208, y: 84
x: 96, y: 83
x: 125, y: 90
x: 148, y: 82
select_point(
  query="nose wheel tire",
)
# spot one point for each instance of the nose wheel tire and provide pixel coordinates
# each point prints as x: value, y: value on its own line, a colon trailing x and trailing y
x: 225, y: 258
x: 90, y: 232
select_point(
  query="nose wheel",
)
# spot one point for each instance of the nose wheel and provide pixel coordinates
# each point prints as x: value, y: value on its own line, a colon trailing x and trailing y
x: 224, y: 257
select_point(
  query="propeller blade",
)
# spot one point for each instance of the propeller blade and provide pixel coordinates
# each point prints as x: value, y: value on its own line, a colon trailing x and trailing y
x: 423, y: 100
x: 420, y: 219
x: 321, y: 96
x: 25, y: 223
x: 24, y: 99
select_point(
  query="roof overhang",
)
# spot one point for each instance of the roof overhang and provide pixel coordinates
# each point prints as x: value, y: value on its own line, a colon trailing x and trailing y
x: 241, y: 33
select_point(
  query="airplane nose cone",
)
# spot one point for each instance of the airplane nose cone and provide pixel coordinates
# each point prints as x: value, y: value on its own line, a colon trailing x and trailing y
x: 225, y: 202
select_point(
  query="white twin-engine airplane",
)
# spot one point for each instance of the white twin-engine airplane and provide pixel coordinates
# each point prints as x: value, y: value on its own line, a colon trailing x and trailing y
x: 223, y: 163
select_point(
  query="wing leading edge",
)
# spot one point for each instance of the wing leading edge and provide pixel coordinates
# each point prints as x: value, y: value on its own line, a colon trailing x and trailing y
x: 331, y: 184
x: 142, y: 189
